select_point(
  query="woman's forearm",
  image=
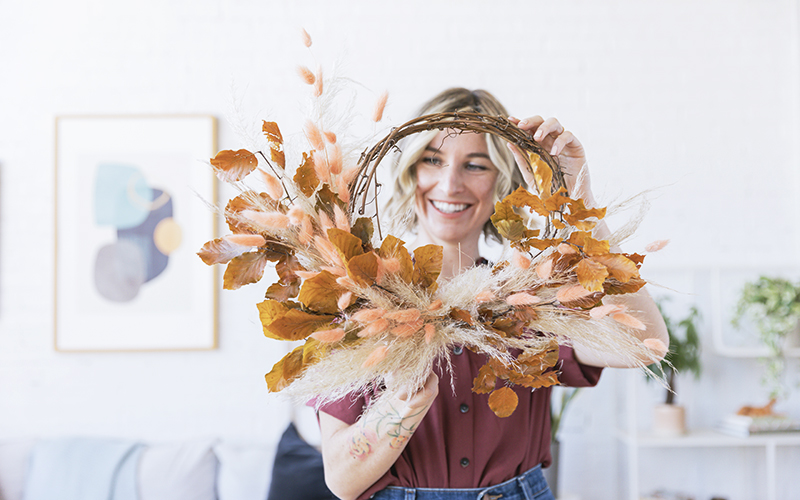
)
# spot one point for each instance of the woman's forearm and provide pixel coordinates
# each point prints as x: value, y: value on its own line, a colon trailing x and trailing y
x: 356, y: 456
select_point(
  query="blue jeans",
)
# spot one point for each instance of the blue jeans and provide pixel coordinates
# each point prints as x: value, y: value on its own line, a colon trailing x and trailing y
x: 529, y: 486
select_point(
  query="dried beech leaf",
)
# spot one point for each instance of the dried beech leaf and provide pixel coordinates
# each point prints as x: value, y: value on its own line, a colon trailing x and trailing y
x: 504, y: 212
x: 536, y: 381
x: 275, y: 139
x: 523, y: 198
x: 306, y: 177
x: 393, y: 247
x: 320, y: 293
x: 326, y: 199
x: 577, y: 296
x: 248, y: 200
x: 283, y: 291
x: 503, y: 402
x: 485, y: 382
x: 364, y: 229
x: 596, y: 247
x: 462, y: 315
x: 293, y: 364
x: 427, y: 265
x: 269, y: 311
x: 542, y: 174
x: 220, y: 251
x: 232, y: 166
x: 348, y: 244
x: 363, y: 269
x: 615, y: 287
x: 619, y: 266
x: 557, y: 200
x: 297, y: 325
x: 244, y: 269
x: 591, y: 274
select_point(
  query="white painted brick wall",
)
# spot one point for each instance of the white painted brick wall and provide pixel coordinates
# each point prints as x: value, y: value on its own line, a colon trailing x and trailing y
x: 697, y: 98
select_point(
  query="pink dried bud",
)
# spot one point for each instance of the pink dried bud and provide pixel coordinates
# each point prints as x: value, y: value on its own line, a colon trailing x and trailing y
x: 306, y: 37
x: 484, y: 296
x: 376, y: 356
x: 520, y: 260
x: 245, y: 240
x: 318, y: 83
x: 343, y: 189
x: 430, y: 331
x: 566, y: 249
x: 295, y: 214
x: 327, y: 336
x: 656, y: 346
x: 334, y: 157
x: 346, y: 282
x: 340, y: 218
x: 435, y: 305
x: 407, y: 329
x: 313, y: 135
x: 628, y: 320
x: 273, y: 186
x: 344, y: 300
x: 269, y: 220
x: 522, y: 299
x: 403, y: 315
x: 380, y: 105
x: 329, y: 136
x: 321, y: 167
x: 655, y: 246
x: 544, y: 269
x: 376, y: 327
x: 306, y: 75
x: 306, y: 233
x: 368, y: 315
x: 603, y: 311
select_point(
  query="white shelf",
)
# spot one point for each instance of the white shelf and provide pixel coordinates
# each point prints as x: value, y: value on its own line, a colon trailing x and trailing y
x: 709, y: 438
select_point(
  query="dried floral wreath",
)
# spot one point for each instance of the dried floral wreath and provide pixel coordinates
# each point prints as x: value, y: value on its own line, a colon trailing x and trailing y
x: 365, y: 306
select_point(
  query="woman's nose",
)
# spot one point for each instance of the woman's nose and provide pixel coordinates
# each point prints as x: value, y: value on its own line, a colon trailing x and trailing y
x: 451, y: 181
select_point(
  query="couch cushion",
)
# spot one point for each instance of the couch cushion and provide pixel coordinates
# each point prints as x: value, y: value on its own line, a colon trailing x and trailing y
x: 14, y: 459
x: 179, y: 470
x: 298, y: 473
x: 245, y: 471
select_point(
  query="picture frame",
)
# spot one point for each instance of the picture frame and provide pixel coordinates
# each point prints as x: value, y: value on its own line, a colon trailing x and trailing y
x: 132, y: 197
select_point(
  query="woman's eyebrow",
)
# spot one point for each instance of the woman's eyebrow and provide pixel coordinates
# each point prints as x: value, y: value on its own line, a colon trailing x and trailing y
x: 478, y: 155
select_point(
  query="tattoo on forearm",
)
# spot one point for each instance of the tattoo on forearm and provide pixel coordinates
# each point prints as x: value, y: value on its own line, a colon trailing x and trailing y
x: 388, y: 421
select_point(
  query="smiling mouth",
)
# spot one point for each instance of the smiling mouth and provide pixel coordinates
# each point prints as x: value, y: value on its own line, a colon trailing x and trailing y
x: 449, y: 208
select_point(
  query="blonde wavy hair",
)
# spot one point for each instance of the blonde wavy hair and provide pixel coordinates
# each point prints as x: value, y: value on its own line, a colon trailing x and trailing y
x: 400, y: 208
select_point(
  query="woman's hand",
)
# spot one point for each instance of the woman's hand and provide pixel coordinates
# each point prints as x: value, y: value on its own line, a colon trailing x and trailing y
x: 560, y: 143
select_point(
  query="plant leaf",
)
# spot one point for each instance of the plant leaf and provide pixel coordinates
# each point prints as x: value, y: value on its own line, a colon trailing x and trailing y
x: 364, y: 229
x: 503, y: 402
x: 306, y: 177
x: 320, y: 293
x: 616, y: 287
x: 220, y: 251
x: 395, y: 247
x: 248, y: 200
x: 427, y: 265
x: 542, y: 174
x: 348, y: 244
x: 363, y: 269
x: 486, y: 380
x: 232, y: 166
x: 523, y: 198
x: 591, y: 274
x: 244, y: 269
x: 297, y: 325
x: 275, y: 139
x: 619, y: 266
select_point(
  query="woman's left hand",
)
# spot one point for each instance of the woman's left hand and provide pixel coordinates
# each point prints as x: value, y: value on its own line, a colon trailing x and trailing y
x: 558, y: 142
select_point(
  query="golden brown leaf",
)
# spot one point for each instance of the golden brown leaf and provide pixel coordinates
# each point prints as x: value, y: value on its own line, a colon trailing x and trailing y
x: 503, y: 402
x: 485, y: 382
x: 232, y: 166
x: 326, y: 199
x: 306, y: 177
x: 542, y: 174
x: 615, y: 287
x: 275, y: 139
x: 462, y: 315
x: 557, y: 200
x: 508, y: 223
x: 297, y: 325
x: 363, y: 269
x: 220, y: 251
x: 348, y: 244
x: 320, y: 293
x: 248, y: 200
x: 577, y: 296
x: 427, y: 265
x: 269, y: 311
x: 523, y: 198
x: 293, y: 364
x: 244, y: 269
x: 283, y: 291
x: 619, y: 266
x: 393, y: 247
x: 591, y: 274
x: 595, y: 247
x: 364, y: 229
x: 536, y: 381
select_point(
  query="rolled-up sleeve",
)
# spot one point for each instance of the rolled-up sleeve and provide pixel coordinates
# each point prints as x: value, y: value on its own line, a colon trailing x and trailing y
x: 575, y: 374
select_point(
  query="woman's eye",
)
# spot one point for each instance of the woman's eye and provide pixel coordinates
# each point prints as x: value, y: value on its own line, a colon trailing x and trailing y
x: 476, y: 167
x: 431, y: 160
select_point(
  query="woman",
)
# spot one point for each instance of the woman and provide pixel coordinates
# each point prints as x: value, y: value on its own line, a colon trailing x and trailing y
x: 433, y: 442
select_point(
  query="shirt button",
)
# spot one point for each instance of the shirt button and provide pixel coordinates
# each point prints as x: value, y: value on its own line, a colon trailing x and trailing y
x: 464, y: 462
x: 457, y: 350
x: 464, y: 408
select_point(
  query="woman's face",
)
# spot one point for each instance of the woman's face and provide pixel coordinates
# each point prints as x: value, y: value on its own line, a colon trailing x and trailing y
x: 455, y: 188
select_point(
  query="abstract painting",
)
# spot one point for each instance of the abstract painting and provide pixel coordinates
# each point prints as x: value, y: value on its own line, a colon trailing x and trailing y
x: 132, y: 196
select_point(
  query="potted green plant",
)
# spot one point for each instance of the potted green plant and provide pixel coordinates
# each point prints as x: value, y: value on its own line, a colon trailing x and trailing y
x: 683, y: 356
x: 773, y: 305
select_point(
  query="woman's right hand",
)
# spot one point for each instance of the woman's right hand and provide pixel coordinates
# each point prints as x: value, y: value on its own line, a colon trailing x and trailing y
x: 356, y: 456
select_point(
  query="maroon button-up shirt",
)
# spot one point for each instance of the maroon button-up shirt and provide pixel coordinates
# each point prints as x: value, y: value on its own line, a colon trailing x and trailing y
x: 461, y: 443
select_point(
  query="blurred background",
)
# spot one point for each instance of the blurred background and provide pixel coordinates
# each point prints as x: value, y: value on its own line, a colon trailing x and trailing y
x: 695, y: 100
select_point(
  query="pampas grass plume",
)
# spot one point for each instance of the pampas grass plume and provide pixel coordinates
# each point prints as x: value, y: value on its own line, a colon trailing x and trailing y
x: 295, y: 214
x: 655, y: 345
x: 270, y: 220
x: 403, y: 315
x: 520, y: 260
x: 306, y: 37
x: 368, y: 315
x: 344, y: 300
x: 374, y: 328
x: 380, y: 105
x: 544, y: 269
x: 318, y: 83
x: 334, y: 154
x: 343, y: 189
x: 321, y: 166
x: 340, y: 218
x: 407, y: 329
x: 306, y: 233
x: 484, y: 296
x: 245, y: 240
x: 603, y: 311
x: 522, y: 299
x: 273, y: 185
x: 375, y: 357
x: 568, y: 293
x: 430, y: 331
x: 435, y: 305
x: 329, y: 136
x: 333, y: 335
x: 313, y: 135
x: 306, y: 74
x: 334, y: 270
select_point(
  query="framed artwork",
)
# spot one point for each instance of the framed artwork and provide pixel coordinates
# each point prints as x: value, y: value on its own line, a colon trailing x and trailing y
x: 132, y: 198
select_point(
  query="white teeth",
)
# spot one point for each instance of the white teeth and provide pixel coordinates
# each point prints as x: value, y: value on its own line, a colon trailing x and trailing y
x: 449, y: 208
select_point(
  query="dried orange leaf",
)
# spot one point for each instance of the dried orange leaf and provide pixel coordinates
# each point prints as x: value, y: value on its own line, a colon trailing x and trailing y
x: 275, y: 139
x: 220, y: 251
x: 393, y: 247
x: 619, y: 266
x: 557, y: 200
x: 486, y: 380
x: 306, y: 177
x: 596, y: 247
x: 427, y: 265
x: 297, y: 325
x: 232, y: 166
x: 244, y: 269
x: 348, y: 244
x: 462, y: 315
x: 542, y: 175
x: 577, y: 296
x: 523, y: 198
x: 591, y: 274
x: 615, y: 287
x: 364, y: 229
x: 503, y: 402
x: 283, y: 291
x: 320, y: 293
x: 363, y: 269
x: 269, y: 311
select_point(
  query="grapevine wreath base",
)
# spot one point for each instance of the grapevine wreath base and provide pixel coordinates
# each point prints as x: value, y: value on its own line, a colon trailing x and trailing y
x: 365, y: 306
